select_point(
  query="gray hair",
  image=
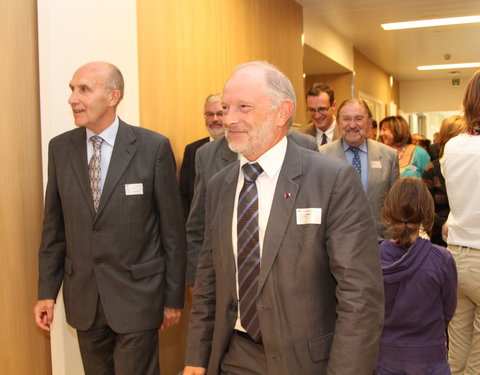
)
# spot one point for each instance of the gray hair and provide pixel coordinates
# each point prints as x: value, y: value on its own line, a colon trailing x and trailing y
x: 213, y: 98
x: 114, y: 80
x: 280, y: 87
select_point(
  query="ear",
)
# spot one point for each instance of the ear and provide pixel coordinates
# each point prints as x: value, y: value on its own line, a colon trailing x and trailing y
x: 285, y: 110
x: 115, y: 97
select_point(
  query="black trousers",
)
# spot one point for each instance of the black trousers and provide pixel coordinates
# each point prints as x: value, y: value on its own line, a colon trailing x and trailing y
x: 105, y: 352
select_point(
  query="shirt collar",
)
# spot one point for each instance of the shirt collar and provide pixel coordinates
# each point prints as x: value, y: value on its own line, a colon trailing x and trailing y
x: 272, y: 160
x: 362, y: 147
x: 109, y: 134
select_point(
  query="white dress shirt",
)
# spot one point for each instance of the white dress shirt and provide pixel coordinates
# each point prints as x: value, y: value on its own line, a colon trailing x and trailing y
x: 271, y: 162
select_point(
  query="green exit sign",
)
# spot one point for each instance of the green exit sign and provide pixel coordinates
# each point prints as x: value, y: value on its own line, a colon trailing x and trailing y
x: 456, y: 82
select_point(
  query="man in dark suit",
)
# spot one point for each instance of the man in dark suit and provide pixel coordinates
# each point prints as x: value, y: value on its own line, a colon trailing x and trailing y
x: 210, y: 159
x: 294, y: 286
x: 213, y: 113
x: 113, y: 231
x: 321, y: 106
x: 378, y: 163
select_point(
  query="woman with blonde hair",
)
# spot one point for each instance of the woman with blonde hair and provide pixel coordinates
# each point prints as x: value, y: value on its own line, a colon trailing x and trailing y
x: 460, y: 166
x: 433, y: 178
x: 395, y: 132
x: 420, y: 282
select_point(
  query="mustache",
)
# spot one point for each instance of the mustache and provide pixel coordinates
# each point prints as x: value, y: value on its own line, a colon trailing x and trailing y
x: 217, y: 123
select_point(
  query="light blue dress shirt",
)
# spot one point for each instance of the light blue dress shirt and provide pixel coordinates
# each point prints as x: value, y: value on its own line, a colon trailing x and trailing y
x: 363, y: 160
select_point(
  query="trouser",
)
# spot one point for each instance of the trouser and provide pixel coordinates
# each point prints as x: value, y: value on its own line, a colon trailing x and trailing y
x: 243, y: 357
x: 105, y: 352
x: 464, y: 328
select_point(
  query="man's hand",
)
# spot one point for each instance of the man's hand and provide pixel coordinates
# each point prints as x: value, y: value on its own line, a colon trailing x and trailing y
x: 445, y: 231
x: 171, y: 317
x: 43, y: 313
x: 190, y: 370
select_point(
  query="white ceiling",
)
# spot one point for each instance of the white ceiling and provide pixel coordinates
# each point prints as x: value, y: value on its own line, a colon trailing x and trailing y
x: 400, y: 52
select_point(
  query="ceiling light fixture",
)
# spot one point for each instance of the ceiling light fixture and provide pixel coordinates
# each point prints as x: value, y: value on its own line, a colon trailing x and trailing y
x: 430, y: 23
x: 449, y: 66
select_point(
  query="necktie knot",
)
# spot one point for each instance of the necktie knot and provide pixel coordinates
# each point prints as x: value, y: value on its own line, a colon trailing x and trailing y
x: 96, y: 141
x: 251, y: 171
x: 355, y: 150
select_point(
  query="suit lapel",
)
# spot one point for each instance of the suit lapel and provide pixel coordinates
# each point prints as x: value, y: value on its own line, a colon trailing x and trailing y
x: 78, y: 157
x: 282, y: 209
x: 374, y: 174
x: 227, y: 203
x: 226, y: 156
x: 123, y: 151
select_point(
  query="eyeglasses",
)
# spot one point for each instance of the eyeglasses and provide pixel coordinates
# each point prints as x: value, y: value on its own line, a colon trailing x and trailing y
x: 213, y: 114
x: 356, y: 119
x: 323, y: 110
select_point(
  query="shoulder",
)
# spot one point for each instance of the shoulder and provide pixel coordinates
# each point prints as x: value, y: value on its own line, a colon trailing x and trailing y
x: 441, y: 253
x: 211, y: 148
x: 197, y: 144
x: 331, y: 148
x: 144, y: 135
x: 381, y: 148
x: 302, y: 139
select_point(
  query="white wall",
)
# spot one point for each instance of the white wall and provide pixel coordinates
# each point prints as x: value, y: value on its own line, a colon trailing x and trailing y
x: 431, y: 96
x: 70, y: 34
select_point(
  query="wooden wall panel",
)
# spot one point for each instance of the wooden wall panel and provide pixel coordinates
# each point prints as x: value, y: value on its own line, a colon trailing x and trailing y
x: 187, y: 50
x: 24, y: 349
x: 372, y: 80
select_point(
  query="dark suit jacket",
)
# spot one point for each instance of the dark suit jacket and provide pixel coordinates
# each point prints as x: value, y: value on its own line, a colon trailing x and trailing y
x: 187, y: 173
x: 209, y: 160
x: 383, y: 172
x: 320, y: 294
x: 131, y: 253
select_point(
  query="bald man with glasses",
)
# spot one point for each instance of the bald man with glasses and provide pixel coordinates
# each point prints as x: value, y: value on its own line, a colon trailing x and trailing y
x: 321, y: 106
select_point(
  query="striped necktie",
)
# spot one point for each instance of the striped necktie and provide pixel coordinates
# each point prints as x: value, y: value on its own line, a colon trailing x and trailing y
x: 248, y: 258
x: 356, y: 159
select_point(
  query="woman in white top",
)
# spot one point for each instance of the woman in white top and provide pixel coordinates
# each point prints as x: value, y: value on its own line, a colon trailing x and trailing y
x: 461, y: 168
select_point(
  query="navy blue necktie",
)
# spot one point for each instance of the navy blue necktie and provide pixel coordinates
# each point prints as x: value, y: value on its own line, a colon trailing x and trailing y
x: 356, y: 159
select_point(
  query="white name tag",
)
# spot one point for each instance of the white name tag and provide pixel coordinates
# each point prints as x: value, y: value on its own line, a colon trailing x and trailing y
x: 309, y: 216
x: 134, y: 189
x: 376, y: 164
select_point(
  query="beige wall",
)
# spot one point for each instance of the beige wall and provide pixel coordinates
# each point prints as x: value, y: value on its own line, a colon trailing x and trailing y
x: 430, y: 96
x: 372, y: 80
x: 340, y: 83
x: 188, y: 48
x: 24, y: 349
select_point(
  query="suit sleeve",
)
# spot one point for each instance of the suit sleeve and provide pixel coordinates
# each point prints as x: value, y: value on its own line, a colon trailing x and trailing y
x: 172, y: 227
x: 196, y: 221
x: 395, y: 171
x: 184, y: 187
x: 202, y: 317
x: 354, y: 258
x: 52, y: 251
x: 449, y: 289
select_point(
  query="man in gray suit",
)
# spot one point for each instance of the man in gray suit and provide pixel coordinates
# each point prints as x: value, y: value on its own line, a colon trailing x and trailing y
x: 113, y: 231
x: 294, y: 286
x: 378, y: 163
x: 210, y: 159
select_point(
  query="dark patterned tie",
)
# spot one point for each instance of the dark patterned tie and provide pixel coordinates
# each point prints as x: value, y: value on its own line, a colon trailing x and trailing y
x: 356, y: 159
x: 324, y: 139
x: 94, y: 170
x: 248, y: 258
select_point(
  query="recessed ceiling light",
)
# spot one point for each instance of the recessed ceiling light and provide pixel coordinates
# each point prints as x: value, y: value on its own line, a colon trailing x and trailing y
x: 429, y: 23
x: 449, y: 66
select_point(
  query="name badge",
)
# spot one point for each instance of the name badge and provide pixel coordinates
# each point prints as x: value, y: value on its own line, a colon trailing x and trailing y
x: 309, y: 216
x: 134, y: 189
x: 376, y: 164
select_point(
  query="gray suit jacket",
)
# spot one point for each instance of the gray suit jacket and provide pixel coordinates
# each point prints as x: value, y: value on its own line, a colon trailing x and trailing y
x: 320, y: 294
x: 131, y: 253
x: 210, y: 159
x: 383, y: 172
